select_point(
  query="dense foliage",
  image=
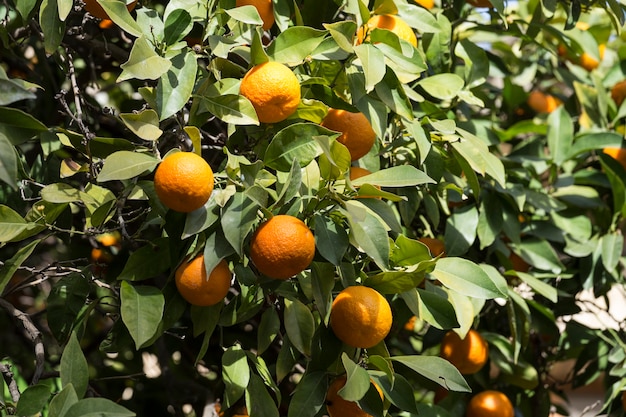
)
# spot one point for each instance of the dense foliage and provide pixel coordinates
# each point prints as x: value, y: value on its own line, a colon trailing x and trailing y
x: 529, y: 207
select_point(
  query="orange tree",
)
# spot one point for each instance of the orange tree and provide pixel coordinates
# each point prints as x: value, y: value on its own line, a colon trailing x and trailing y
x: 529, y: 206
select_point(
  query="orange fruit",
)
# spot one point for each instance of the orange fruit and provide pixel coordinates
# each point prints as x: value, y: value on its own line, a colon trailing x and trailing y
x: 337, y: 406
x: 468, y: 355
x: 265, y: 9
x: 618, y: 154
x: 590, y: 63
x: 273, y: 90
x: 109, y: 239
x: 618, y: 92
x: 428, y: 4
x: 517, y: 263
x: 389, y: 22
x: 183, y: 181
x: 541, y: 102
x: 410, y: 324
x: 489, y: 403
x: 101, y: 256
x: 198, y: 289
x: 436, y: 246
x: 480, y: 3
x: 356, y: 131
x: 360, y: 316
x: 94, y: 8
x: 282, y: 247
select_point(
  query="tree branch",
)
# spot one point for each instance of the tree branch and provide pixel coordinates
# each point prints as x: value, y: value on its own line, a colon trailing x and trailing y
x: 34, y: 334
x: 6, y: 372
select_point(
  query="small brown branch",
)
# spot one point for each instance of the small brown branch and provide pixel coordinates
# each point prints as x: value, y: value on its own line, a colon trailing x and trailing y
x: 6, y: 372
x: 34, y: 334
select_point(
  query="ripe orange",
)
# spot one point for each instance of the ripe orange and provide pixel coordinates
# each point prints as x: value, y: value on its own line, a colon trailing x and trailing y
x: 468, y: 355
x: 265, y: 9
x: 109, y: 239
x: 541, y: 102
x: 101, y: 256
x: 94, y: 8
x: 183, y: 181
x: 618, y: 92
x: 590, y: 63
x: 428, y: 4
x: 490, y: 403
x: 410, y: 324
x: 480, y: 3
x: 198, y: 289
x: 282, y: 247
x: 360, y: 316
x: 356, y: 131
x: 273, y: 90
x: 389, y: 22
x: 617, y: 153
x: 436, y: 246
x: 337, y: 406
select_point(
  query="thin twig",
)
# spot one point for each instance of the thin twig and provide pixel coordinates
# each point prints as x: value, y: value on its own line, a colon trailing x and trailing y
x: 6, y: 372
x: 33, y: 333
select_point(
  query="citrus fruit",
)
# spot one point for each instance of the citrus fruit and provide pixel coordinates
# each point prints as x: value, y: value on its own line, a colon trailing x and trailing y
x: 101, y: 256
x: 282, y: 247
x: 468, y: 355
x: 590, y: 63
x: 618, y: 92
x: 480, y: 3
x: 389, y: 22
x: 360, y: 316
x: 198, y: 289
x: 183, y: 181
x: 618, y: 154
x: 273, y: 90
x: 410, y: 324
x: 541, y: 102
x: 358, y: 172
x: 517, y: 263
x: 337, y: 406
x: 624, y: 400
x: 435, y: 246
x: 428, y: 4
x: 356, y: 131
x: 265, y: 9
x: 94, y: 8
x: 489, y: 403
x: 109, y: 239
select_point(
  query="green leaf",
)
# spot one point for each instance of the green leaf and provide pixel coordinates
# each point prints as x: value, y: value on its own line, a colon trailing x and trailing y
x: 11, y: 224
x: 295, y: 44
x: 560, y: 135
x: 309, y: 395
x: 587, y: 142
x: 408, y: 252
x: 436, y: 369
x: 149, y: 261
x: 118, y: 13
x: 400, y: 392
x: 62, y: 401
x: 540, y: 254
x: 65, y: 7
x: 51, y: 25
x: 323, y: 277
x: 476, y: 152
x: 74, y: 369
x: 357, y: 380
x: 442, y: 86
x: 32, y: 400
x: 612, y: 247
x: 368, y: 233
x: 216, y: 249
x: 331, y: 239
x: 392, y: 94
x: 8, y: 162
x: 18, y: 126
x: 394, y: 282
x: 124, y: 165
x: 432, y: 307
x: 269, y: 327
x: 142, y: 311
x: 260, y: 403
x: 97, y: 407
x: 199, y: 220
x: 295, y: 142
x: 144, y: 124
x: 60, y: 193
x: 236, y: 374
x: 300, y: 325
x: 11, y: 91
x: 466, y: 277
x: 177, y: 24
x: 542, y: 288
x: 11, y: 266
x: 373, y: 63
x: 144, y: 63
x: 397, y: 176
x: 461, y: 229
x: 245, y: 14
x: 176, y: 85
x: 205, y: 321
x: 231, y: 108
x: 238, y: 217
x: 66, y: 301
